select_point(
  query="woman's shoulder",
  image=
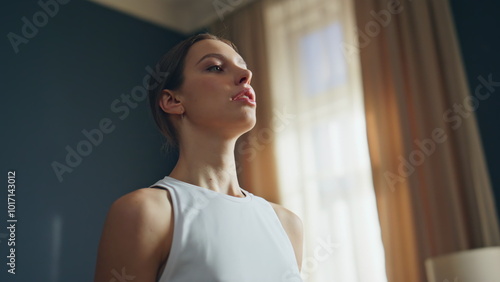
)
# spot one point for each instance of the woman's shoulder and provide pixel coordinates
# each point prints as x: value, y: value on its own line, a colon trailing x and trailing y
x: 136, y: 233
x: 148, y: 208
x: 144, y: 207
x: 286, y: 216
x: 143, y: 204
x: 293, y: 228
x: 145, y: 199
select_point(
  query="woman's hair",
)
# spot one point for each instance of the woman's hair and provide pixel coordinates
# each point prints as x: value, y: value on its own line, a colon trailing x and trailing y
x: 172, y: 65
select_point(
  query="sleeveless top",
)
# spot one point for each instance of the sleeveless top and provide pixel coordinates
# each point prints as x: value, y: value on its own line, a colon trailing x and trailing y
x: 218, y: 237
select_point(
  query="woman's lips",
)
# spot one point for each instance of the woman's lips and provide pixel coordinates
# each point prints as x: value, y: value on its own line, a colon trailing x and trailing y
x: 245, y: 94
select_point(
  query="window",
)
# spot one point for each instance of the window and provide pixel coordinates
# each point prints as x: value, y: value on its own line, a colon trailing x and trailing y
x: 323, y: 159
x: 323, y: 64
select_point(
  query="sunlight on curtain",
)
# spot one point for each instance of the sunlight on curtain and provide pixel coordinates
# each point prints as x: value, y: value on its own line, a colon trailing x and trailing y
x: 323, y: 160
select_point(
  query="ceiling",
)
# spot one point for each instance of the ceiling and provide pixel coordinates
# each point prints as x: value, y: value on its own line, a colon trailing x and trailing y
x: 184, y: 16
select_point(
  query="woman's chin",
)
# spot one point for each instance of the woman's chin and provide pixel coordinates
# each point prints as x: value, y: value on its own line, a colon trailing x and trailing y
x: 250, y: 122
x: 243, y: 125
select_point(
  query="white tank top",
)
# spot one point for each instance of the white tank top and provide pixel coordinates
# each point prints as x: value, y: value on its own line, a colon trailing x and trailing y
x: 218, y: 237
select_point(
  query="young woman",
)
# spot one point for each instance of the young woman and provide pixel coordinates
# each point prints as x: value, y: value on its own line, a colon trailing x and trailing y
x: 198, y: 224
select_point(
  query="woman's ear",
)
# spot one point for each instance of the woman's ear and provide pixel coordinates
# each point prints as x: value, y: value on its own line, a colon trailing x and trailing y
x: 169, y: 103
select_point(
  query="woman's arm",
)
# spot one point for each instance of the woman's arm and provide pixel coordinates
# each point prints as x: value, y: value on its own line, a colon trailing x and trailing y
x: 136, y: 237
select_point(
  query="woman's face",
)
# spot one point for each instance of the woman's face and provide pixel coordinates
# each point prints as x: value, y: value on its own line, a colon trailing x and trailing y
x: 214, y: 73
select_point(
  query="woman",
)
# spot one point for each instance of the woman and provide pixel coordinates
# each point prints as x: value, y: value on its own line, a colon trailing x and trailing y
x: 197, y: 224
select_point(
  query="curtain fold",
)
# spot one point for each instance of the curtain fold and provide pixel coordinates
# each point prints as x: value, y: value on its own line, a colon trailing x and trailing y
x: 255, y: 150
x: 431, y: 181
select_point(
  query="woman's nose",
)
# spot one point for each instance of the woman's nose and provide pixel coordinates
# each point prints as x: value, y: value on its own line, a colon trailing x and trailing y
x: 245, y: 76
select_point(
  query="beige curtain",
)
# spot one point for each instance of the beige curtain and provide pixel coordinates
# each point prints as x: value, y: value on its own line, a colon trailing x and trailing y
x: 255, y: 157
x: 431, y: 182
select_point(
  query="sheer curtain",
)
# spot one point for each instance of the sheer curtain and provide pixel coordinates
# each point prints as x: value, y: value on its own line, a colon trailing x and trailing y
x: 322, y: 152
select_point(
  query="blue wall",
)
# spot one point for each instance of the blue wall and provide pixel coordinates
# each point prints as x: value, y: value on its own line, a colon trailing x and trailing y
x: 478, y: 24
x: 60, y: 82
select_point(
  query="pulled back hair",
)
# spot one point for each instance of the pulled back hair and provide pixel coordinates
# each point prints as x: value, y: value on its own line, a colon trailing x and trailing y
x: 172, y: 66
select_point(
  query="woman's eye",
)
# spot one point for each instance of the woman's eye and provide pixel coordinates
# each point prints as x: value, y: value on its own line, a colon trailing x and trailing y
x: 215, y: 68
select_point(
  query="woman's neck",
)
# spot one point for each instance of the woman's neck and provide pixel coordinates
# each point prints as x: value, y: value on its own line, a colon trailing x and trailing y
x: 210, y: 164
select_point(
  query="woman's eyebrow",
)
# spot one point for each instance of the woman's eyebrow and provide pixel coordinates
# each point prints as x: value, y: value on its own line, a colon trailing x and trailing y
x: 220, y: 57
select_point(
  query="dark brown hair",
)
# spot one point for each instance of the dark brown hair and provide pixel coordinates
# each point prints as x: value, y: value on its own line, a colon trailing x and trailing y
x: 172, y: 65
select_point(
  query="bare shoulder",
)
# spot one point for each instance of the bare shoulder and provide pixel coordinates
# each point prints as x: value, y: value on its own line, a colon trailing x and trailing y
x: 136, y: 236
x: 287, y: 217
x: 147, y: 197
x: 293, y: 227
